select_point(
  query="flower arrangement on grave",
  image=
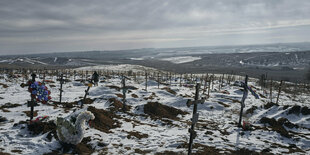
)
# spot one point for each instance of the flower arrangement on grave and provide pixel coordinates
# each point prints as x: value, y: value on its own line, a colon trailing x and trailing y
x: 39, y: 91
x: 70, y: 130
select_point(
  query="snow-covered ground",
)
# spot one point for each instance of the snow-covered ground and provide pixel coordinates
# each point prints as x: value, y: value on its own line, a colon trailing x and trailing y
x: 138, y: 131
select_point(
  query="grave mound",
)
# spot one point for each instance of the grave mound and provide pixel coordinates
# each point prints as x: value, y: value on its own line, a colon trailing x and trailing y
x: 276, y: 126
x: 269, y: 105
x: 155, y: 109
x: 104, y: 120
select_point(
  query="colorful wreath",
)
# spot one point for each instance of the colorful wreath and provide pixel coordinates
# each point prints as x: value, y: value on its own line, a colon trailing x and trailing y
x: 39, y: 91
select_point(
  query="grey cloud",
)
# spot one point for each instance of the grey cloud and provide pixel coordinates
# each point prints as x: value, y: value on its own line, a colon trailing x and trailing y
x: 93, y: 19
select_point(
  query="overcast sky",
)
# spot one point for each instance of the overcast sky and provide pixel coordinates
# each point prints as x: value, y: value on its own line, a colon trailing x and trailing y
x: 38, y: 26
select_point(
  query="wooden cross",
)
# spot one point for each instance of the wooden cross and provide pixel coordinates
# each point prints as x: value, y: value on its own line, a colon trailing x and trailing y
x: 145, y: 81
x: 158, y: 80
x: 191, y: 130
x: 280, y: 86
x: 246, y: 88
x: 124, y: 88
x: 33, y: 102
x: 60, y: 90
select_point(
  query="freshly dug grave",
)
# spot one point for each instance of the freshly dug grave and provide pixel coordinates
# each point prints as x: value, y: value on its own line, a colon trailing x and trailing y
x: 118, y: 105
x: 155, y: 109
x: 104, y: 120
x: 42, y: 127
x: 297, y: 110
x: 277, y: 125
x: 269, y: 105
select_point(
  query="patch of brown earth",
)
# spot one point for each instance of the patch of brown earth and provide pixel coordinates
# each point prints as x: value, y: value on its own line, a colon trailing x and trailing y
x: 223, y: 104
x: 134, y: 96
x: 169, y: 90
x: 276, y: 126
x: 4, y: 85
x: 119, y: 95
x: 104, y: 120
x: 138, y: 151
x: 9, y: 105
x: 269, y: 105
x: 305, y: 111
x: 49, y: 81
x: 69, y: 105
x: 114, y: 87
x: 136, y: 134
x: 35, y: 113
x: 155, y: 109
x: 151, y: 97
x: 251, y: 110
x: 42, y: 127
x: 295, y: 110
x: 117, y: 105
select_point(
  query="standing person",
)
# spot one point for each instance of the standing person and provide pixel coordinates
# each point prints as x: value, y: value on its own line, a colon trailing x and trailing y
x: 95, y: 78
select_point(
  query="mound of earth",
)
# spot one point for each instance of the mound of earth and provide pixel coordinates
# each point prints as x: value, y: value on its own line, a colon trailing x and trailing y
x: 42, y: 127
x: 276, y: 125
x: 298, y: 109
x: 156, y: 109
x: 269, y: 105
x: 118, y: 105
x: 104, y: 120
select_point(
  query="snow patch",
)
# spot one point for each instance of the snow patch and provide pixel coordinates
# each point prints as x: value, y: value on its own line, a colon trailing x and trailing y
x: 180, y: 60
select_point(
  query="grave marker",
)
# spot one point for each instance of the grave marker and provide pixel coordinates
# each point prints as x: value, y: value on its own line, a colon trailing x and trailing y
x: 246, y: 88
x: 60, y: 90
x: 191, y: 130
x: 33, y: 102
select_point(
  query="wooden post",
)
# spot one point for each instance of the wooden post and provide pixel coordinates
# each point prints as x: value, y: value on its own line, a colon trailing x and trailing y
x: 145, y: 81
x: 270, y: 96
x: 180, y: 80
x: 60, y: 90
x: 209, y: 87
x: 86, y: 93
x: 191, y: 130
x: 124, y: 92
x: 279, y: 91
x: 170, y: 78
x: 245, y: 94
x: 158, y: 80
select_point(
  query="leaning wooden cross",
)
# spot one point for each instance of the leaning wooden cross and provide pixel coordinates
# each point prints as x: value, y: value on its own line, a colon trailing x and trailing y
x: 246, y: 88
x: 191, y: 130
x: 90, y: 84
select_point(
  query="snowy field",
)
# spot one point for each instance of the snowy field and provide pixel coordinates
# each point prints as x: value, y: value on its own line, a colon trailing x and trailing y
x: 148, y: 126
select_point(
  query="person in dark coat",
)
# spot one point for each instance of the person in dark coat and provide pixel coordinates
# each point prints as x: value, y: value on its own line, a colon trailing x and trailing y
x: 95, y: 78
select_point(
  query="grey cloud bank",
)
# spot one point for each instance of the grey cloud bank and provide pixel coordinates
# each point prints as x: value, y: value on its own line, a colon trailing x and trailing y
x: 36, y: 26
